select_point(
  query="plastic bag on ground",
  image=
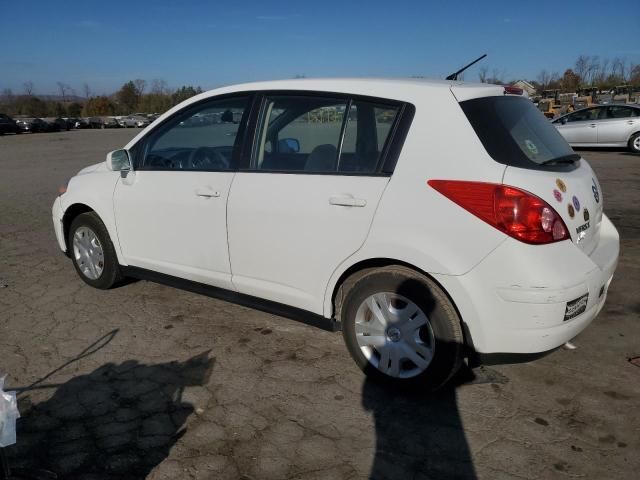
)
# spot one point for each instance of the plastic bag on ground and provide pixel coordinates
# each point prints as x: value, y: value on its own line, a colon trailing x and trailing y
x: 8, y: 416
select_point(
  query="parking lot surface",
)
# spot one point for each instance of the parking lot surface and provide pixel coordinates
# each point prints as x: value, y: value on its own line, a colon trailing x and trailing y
x: 149, y: 381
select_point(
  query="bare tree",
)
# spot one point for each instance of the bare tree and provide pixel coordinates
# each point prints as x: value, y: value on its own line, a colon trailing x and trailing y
x: 543, y: 79
x: 483, y: 72
x: 86, y: 90
x: 7, y: 93
x: 159, y: 87
x: 64, y: 89
x: 618, y: 69
x: 581, y: 67
x: 140, y: 86
x: 28, y: 88
x: 592, y: 69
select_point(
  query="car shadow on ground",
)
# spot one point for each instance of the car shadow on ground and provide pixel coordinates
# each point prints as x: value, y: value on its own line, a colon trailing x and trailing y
x: 120, y: 420
x: 419, y: 434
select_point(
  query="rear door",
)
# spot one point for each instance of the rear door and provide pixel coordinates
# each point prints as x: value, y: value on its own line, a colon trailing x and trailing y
x: 307, y: 199
x: 617, y: 125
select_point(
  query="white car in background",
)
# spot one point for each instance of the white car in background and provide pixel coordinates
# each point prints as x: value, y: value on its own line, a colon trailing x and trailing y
x: 132, y: 121
x: 602, y: 126
x: 424, y: 237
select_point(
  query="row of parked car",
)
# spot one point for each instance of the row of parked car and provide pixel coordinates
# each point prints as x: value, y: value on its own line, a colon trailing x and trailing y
x: 38, y: 125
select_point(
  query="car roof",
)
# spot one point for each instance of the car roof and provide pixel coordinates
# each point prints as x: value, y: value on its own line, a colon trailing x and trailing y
x: 392, y: 88
x: 412, y: 90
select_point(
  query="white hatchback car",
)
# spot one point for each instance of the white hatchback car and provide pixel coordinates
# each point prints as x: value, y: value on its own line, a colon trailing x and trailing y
x: 427, y: 219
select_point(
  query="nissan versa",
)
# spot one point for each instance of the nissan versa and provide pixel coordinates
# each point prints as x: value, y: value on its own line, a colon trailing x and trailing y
x: 430, y: 219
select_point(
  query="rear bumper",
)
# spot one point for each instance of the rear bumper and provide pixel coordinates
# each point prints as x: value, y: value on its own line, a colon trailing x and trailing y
x: 57, y: 213
x: 515, y: 300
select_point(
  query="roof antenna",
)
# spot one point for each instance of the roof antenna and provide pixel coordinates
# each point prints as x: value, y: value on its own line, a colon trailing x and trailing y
x: 454, y: 76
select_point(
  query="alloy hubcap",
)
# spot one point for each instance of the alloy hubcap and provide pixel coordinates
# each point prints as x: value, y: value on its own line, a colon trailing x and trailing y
x: 395, y: 335
x: 636, y: 143
x: 88, y: 253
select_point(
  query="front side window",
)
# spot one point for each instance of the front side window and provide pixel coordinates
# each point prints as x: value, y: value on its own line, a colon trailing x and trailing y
x: 201, y: 138
x: 588, y: 114
x: 322, y: 135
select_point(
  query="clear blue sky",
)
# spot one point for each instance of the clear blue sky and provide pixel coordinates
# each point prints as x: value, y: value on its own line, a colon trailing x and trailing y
x: 108, y: 42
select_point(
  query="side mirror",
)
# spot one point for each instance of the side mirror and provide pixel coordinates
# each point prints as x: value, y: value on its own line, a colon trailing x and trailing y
x: 564, y: 120
x: 289, y: 145
x: 118, y: 161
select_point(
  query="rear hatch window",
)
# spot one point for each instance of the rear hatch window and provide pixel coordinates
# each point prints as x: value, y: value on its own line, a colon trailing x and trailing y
x: 515, y: 133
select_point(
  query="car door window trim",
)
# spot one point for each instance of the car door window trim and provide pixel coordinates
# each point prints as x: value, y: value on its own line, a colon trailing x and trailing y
x: 139, y: 149
x: 388, y: 155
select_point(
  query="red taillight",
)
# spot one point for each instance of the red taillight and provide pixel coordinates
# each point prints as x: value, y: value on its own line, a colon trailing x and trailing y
x: 515, y: 212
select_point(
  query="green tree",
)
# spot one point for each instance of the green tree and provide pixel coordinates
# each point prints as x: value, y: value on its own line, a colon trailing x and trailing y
x: 74, y: 109
x: 184, y: 92
x: 570, y: 80
x: 128, y: 97
x: 99, y: 106
x: 34, y: 107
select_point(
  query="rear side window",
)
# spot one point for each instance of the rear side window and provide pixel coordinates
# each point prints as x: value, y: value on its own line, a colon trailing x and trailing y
x: 514, y: 132
x: 366, y: 132
x: 317, y: 134
x: 619, y: 112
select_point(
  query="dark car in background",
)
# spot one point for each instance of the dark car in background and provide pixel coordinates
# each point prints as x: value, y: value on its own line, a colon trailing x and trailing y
x: 110, y: 122
x: 8, y: 125
x: 33, y: 125
x: 60, y: 124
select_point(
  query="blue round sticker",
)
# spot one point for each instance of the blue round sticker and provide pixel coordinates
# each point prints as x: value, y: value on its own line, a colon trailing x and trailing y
x: 576, y: 203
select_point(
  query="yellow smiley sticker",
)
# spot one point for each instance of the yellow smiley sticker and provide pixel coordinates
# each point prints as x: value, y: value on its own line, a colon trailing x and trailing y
x: 561, y: 185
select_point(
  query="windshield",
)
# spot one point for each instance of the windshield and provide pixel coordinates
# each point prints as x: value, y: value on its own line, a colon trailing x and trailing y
x: 514, y: 132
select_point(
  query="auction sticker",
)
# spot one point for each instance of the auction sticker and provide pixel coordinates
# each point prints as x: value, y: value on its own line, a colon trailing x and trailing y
x: 557, y: 194
x: 576, y: 307
x: 561, y: 185
x: 576, y: 203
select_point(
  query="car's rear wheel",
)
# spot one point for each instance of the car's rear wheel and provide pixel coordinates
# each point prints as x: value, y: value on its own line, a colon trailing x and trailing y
x: 400, y: 327
x: 92, y: 252
x: 634, y: 143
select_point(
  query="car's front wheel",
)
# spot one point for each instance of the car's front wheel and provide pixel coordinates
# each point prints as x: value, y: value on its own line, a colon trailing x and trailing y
x: 400, y: 327
x: 92, y: 252
x: 634, y: 143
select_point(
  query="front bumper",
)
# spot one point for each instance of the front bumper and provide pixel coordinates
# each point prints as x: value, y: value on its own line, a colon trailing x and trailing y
x: 515, y: 300
x: 58, y: 213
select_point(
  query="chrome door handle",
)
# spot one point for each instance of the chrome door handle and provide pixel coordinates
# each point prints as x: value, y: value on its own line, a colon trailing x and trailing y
x: 206, y: 192
x: 345, y: 201
x: 629, y: 122
x: 593, y: 125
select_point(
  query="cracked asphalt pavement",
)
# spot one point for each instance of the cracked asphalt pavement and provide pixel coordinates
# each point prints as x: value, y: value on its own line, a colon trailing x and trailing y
x: 146, y: 381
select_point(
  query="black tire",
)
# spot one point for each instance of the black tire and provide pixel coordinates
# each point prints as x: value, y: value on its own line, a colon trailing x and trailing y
x: 111, y: 269
x: 448, y: 351
x: 634, y: 143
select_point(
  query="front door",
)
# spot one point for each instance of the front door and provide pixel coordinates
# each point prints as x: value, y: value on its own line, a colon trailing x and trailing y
x: 307, y: 202
x: 171, y: 209
x: 581, y: 127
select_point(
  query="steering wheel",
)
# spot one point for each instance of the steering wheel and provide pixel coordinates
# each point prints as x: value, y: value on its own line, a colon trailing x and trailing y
x: 207, y: 158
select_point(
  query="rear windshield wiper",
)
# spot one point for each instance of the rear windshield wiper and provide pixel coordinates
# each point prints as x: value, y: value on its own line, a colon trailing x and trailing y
x: 572, y: 158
